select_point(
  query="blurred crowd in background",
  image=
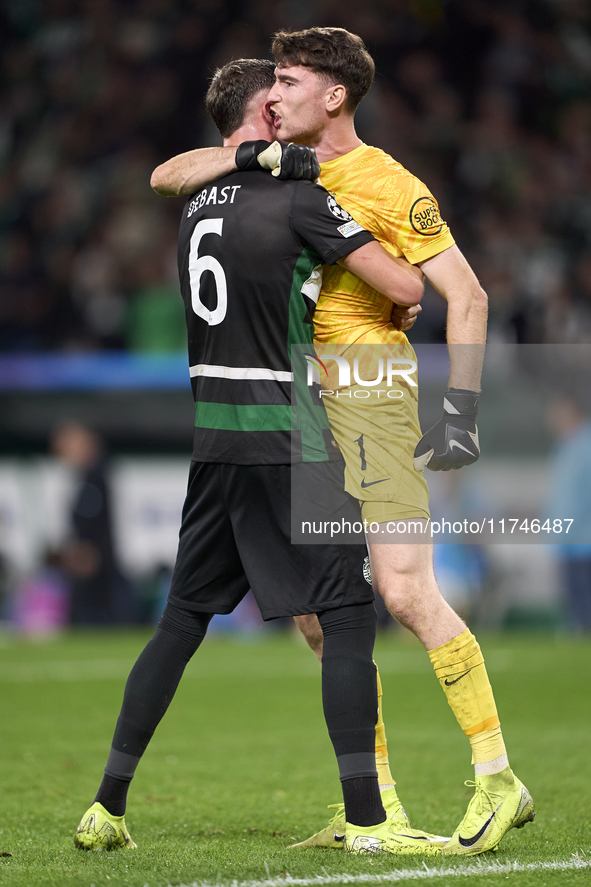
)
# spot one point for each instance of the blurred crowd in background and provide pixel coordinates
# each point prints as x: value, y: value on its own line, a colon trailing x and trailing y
x: 488, y: 103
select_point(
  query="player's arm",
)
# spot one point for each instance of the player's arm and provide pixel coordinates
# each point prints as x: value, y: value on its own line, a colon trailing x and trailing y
x: 394, y: 277
x: 453, y: 441
x: 187, y: 173
x: 467, y: 313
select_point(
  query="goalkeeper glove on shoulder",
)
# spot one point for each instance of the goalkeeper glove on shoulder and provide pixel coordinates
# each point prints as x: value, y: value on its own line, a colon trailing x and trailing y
x: 285, y: 161
x: 453, y: 441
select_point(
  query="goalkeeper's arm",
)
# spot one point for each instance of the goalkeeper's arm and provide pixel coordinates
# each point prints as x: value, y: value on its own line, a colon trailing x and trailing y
x: 187, y: 173
x: 453, y: 441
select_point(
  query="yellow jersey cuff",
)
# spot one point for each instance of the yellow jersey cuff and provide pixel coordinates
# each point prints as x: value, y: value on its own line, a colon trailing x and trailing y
x: 432, y: 247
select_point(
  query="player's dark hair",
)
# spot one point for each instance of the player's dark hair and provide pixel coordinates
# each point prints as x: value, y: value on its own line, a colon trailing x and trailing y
x: 334, y: 52
x: 231, y: 89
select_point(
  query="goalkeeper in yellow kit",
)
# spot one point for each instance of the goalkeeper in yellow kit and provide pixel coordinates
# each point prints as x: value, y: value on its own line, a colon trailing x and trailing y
x: 322, y: 75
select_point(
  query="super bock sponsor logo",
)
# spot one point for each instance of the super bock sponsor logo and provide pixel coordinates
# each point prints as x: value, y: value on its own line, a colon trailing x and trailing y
x: 425, y: 217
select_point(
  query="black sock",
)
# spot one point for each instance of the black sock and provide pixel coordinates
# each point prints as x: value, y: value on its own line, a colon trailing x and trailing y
x: 148, y: 693
x: 112, y: 794
x: 363, y: 802
x: 350, y: 699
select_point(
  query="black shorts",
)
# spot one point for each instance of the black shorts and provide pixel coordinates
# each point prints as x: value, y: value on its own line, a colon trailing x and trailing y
x: 236, y: 535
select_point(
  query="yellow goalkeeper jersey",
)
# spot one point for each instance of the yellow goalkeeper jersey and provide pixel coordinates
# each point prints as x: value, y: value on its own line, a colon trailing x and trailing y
x: 402, y: 214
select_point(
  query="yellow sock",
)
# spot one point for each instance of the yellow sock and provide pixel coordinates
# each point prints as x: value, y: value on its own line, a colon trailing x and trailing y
x: 459, y: 666
x: 382, y: 764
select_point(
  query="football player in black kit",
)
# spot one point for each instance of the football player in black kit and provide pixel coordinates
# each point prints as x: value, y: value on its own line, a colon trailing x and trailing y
x: 251, y: 249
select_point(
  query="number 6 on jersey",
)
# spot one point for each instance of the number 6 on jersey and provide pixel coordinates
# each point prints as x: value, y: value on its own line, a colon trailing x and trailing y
x: 198, y: 265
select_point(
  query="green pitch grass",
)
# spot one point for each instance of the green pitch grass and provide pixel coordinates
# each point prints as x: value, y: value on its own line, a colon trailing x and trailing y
x: 242, y: 766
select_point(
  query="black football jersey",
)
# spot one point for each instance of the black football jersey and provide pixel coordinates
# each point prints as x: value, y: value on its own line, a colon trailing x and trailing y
x: 251, y: 250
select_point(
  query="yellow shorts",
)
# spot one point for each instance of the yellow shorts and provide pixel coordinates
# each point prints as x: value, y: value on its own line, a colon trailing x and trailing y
x: 377, y: 430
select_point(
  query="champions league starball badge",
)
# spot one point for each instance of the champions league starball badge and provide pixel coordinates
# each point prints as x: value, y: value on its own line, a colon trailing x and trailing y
x: 337, y: 210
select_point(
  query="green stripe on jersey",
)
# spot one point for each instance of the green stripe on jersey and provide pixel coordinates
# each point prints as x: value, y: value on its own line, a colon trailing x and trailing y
x: 308, y: 417
x: 243, y: 417
x: 299, y: 332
